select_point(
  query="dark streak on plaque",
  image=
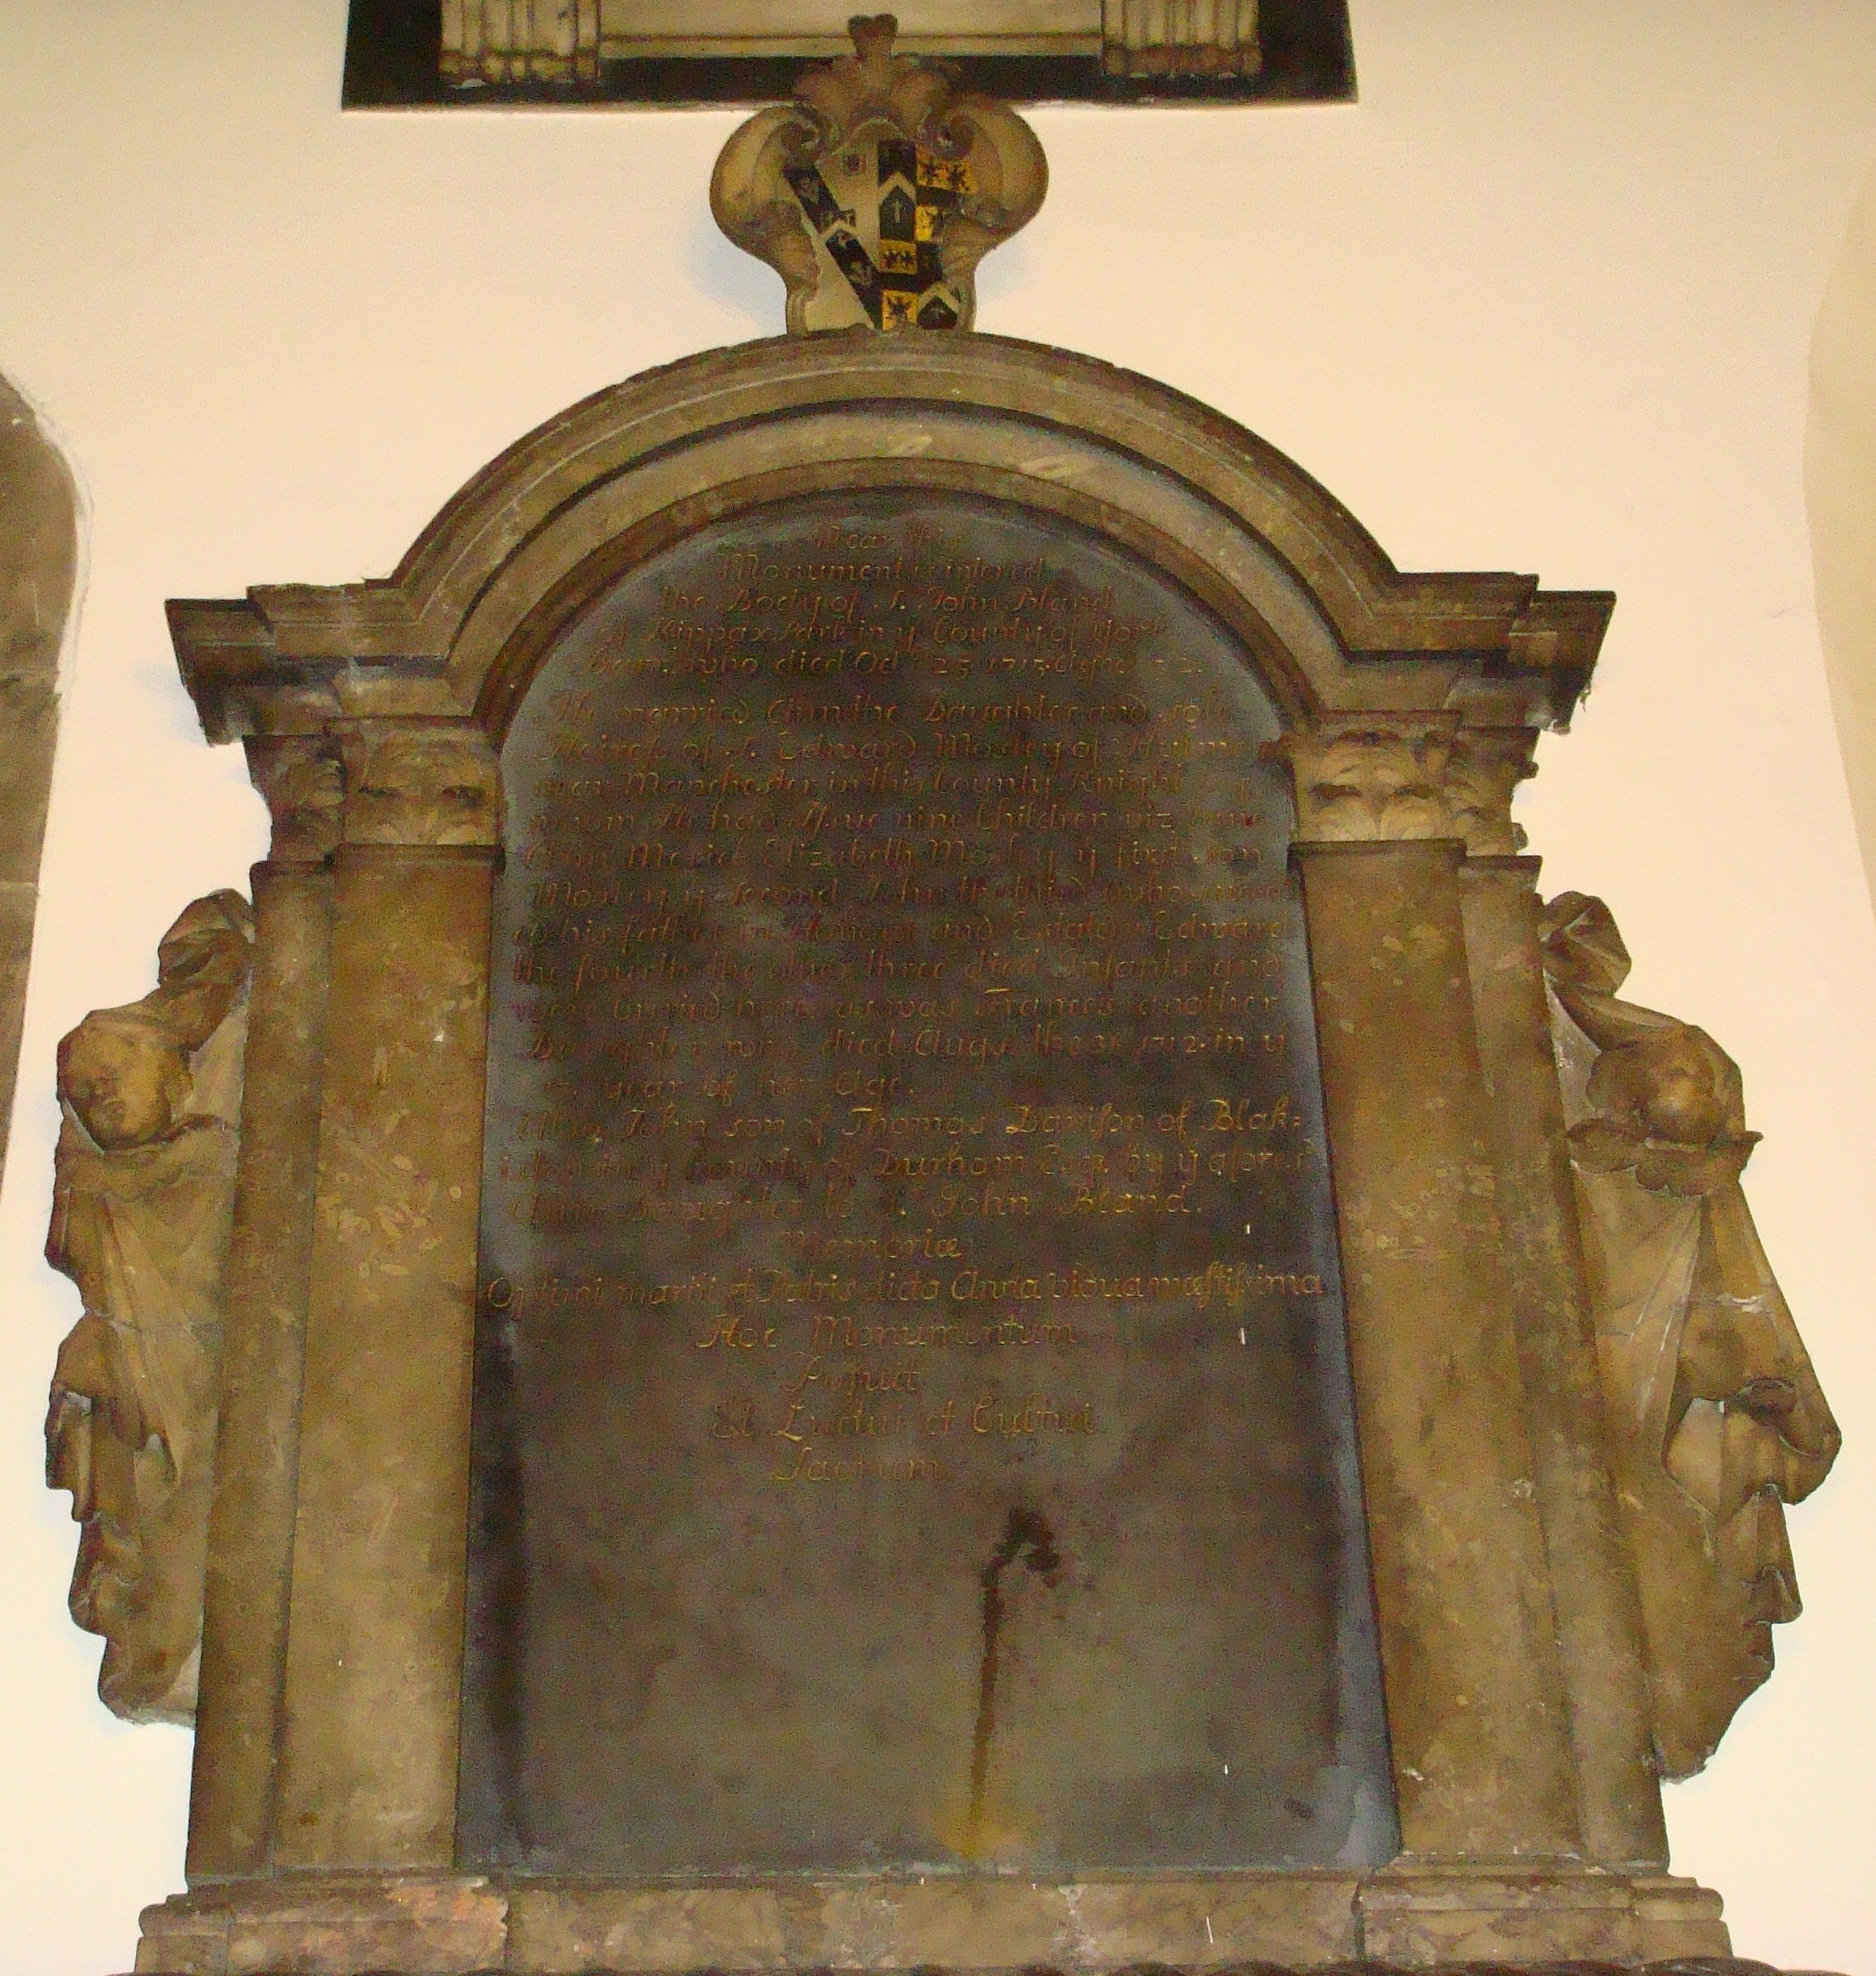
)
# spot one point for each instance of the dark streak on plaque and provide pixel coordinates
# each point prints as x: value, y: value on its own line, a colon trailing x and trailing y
x: 1027, y: 1536
x: 905, y: 1151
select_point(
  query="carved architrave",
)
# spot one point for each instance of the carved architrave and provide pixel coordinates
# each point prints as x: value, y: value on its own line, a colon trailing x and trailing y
x: 1717, y: 1417
x: 1379, y: 778
x: 143, y: 1197
x: 877, y: 192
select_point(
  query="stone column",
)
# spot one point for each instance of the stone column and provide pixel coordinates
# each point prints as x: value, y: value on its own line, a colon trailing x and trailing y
x: 1476, y: 1713
x: 374, y: 1651
x: 250, y: 1540
x: 1592, y: 1578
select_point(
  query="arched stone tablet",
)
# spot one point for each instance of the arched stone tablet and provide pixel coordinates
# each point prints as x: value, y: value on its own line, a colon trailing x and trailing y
x: 914, y: 1418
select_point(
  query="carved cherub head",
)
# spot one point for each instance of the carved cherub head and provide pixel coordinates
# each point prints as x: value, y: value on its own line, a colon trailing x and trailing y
x: 1667, y: 1102
x: 125, y: 1075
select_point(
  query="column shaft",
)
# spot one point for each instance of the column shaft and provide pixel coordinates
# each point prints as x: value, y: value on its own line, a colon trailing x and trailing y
x: 1598, y: 1615
x: 250, y: 1539
x: 1474, y: 1709
x: 374, y: 1674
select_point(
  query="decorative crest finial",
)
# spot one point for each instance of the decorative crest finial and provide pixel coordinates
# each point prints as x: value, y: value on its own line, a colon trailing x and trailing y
x: 873, y: 35
x: 877, y: 190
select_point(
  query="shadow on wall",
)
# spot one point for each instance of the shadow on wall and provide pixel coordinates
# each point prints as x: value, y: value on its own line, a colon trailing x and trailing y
x: 1840, y: 487
x: 38, y: 566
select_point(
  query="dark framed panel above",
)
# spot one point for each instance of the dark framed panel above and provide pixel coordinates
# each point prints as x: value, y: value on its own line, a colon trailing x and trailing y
x: 440, y: 54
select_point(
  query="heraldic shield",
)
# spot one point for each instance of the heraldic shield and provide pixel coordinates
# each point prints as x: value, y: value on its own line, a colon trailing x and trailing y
x: 877, y: 210
x: 877, y: 190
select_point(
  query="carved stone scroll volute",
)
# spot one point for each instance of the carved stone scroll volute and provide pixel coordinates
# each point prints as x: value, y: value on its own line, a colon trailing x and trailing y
x: 875, y: 193
x: 1717, y: 1417
x: 143, y: 1196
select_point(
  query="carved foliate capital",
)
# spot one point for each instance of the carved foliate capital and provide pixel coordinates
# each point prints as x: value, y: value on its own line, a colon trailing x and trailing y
x: 302, y: 781
x: 1482, y: 774
x: 421, y: 782
x: 877, y: 190
x: 1400, y: 777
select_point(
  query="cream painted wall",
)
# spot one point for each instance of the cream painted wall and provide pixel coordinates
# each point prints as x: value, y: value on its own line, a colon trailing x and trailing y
x: 1840, y: 481
x: 1542, y: 301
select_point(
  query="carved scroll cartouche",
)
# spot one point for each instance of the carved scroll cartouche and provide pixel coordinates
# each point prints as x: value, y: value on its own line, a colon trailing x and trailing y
x: 875, y: 193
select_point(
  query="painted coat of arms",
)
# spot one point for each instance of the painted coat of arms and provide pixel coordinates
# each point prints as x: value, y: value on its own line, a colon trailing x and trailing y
x: 877, y: 190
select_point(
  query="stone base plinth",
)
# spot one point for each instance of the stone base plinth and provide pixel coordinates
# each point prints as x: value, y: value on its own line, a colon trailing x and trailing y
x: 1405, y: 1916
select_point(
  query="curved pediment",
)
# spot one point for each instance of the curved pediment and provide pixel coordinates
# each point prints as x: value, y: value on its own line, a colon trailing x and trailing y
x: 514, y: 556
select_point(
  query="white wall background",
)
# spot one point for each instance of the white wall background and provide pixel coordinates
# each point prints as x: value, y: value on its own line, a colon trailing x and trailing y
x: 1840, y: 481
x: 1542, y: 301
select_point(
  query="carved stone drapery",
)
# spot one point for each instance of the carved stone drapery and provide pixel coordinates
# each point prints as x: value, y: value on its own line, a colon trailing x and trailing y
x: 1718, y: 1418
x: 143, y: 1196
x: 520, y: 40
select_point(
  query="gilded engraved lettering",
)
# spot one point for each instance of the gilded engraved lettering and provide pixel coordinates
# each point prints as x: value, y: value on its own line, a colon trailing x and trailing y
x: 806, y: 1464
x: 736, y: 1334
x: 940, y: 1334
x: 733, y: 1420
x: 1038, y: 1415
x: 923, y: 826
x: 853, y: 1381
x: 1100, y: 1200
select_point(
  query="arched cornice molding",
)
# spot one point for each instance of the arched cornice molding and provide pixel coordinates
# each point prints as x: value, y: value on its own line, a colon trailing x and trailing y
x: 531, y: 538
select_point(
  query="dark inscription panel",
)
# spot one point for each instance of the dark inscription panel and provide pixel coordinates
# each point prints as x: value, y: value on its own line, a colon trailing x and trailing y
x: 912, y: 1418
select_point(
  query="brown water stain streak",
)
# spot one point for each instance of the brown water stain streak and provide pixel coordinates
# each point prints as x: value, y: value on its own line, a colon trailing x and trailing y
x: 1026, y: 1531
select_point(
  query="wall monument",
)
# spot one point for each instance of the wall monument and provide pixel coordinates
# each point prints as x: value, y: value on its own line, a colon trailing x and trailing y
x: 898, y: 1240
